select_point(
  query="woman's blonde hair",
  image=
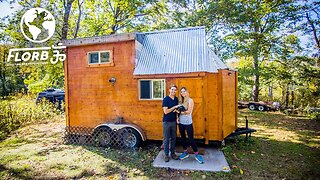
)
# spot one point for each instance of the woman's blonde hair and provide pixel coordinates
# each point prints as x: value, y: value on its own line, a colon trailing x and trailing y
x: 182, y: 98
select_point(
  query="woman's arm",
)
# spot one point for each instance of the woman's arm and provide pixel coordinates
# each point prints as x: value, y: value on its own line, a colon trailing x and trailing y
x: 190, y: 107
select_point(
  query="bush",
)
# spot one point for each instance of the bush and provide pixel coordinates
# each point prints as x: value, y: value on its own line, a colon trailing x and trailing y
x: 315, y: 116
x: 20, y: 110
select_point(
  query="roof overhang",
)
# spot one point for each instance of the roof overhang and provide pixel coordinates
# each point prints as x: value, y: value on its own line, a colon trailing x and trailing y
x: 99, y: 39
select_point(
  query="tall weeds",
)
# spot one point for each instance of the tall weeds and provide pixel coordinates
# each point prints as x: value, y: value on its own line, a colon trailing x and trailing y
x: 20, y: 110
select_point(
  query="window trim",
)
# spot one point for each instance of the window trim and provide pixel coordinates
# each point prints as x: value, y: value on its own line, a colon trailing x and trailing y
x: 151, y: 88
x: 99, y: 63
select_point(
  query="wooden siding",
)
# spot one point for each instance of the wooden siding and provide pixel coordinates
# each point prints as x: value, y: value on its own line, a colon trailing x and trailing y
x: 194, y: 87
x: 213, y: 99
x: 229, y: 102
x: 92, y: 100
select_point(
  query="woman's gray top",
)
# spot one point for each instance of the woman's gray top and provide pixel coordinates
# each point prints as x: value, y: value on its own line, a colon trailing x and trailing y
x: 186, y: 119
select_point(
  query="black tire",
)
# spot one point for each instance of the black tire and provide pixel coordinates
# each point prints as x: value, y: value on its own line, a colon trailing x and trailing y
x: 252, y: 107
x: 103, y: 137
x: 130, y: 138
x: 261, y: 108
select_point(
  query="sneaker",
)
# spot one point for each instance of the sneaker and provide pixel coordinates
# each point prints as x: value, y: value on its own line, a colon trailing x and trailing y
x: 183, y: 156
x: 199, y: 158
x: 166, y: 158
x: 174, y: 156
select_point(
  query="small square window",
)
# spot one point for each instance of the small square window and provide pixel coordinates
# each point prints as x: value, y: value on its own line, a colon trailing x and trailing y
x: 94, y: 57
x: 158, y: 89
x: 105, y: 57
x: 145, y: 89
x: 100, y: 57
x: 152, y: 89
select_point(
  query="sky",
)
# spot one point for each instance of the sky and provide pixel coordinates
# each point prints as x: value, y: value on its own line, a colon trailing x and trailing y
x: 7, y: 8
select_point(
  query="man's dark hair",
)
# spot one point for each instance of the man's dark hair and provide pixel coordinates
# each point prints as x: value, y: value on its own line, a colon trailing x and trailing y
x: 173, y: 85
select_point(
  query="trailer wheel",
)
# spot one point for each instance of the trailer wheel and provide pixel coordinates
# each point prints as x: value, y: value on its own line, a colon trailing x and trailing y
x: 130, y: 138
x: 252, y: 107
x: 261, y: 108
x: 103, y: 137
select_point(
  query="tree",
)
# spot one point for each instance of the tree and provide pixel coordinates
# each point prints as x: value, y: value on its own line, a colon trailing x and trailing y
x: 105, y: 17
x: 307, y: 21
x: 253, y: 25
x: 36, y: 77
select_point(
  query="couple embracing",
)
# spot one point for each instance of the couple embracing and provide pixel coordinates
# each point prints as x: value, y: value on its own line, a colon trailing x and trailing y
x: 171, y: 118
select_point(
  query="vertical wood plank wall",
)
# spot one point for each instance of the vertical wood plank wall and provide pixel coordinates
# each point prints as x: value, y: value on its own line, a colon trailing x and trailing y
x: 229, y: 102
x: 195, y: 89
x: 94, y: 100
x: 213, y: 107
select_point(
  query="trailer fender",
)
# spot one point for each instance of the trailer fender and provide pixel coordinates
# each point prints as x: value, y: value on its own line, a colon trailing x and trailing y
x: 117, y: 127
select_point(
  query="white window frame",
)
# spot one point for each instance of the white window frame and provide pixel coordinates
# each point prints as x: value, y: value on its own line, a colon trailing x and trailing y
x: 151, y: 88
x: 99, y: 60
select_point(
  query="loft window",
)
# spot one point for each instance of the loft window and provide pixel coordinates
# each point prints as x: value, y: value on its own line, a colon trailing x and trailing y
x: 99, y: 57
x: 151, y: 89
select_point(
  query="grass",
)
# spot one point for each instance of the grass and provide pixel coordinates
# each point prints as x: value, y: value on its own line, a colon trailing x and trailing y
x: 284, y: 147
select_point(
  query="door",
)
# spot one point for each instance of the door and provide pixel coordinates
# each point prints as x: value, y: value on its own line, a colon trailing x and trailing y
x: 195, y: 89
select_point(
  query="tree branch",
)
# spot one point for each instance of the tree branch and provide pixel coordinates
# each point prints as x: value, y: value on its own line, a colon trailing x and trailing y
x: 314, y: 30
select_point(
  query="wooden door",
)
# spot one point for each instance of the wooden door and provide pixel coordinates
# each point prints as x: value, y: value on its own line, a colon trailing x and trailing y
x: 195, y: 89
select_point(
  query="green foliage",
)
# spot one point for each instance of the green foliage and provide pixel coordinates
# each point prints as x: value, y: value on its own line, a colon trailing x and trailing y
x: 315, y: 116
x: 259, y: 33
x: 105, y: 17
x: 10, y: 81
x: 20, y: 110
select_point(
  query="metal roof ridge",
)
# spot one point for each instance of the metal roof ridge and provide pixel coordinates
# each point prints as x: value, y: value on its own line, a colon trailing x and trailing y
x: 99, y: 39
x: 103, y: 36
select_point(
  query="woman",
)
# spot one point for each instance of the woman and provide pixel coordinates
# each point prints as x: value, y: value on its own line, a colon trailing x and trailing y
x: 185, y: 125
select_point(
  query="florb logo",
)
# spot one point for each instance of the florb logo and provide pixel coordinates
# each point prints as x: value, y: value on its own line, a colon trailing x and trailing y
x: 37, y: 25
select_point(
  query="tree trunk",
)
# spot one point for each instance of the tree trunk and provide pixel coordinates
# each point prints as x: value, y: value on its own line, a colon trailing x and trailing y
x: 67, y: 10
x: 270, y: 94
x: 292, y: 97
x: 287, y: 97
x: 3, y: 76
x: 79, y: 18
x: 256, y: 77
x: 256, y: 71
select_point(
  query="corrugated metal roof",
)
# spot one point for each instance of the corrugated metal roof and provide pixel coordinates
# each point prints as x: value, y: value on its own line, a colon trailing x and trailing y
x: 175, y: 51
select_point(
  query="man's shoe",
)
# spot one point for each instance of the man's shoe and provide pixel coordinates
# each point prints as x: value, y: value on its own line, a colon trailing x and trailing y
x: 174, y: 156
x: 199, y: 158
x: 184, y: 155
x: 166, y: 158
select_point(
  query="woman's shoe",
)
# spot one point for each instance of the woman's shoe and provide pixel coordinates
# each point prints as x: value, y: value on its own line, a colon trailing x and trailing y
x: 183, y: 156
x: 199, y: 158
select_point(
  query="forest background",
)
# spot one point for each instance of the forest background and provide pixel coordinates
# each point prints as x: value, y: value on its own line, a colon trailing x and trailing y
x: 273, y: 44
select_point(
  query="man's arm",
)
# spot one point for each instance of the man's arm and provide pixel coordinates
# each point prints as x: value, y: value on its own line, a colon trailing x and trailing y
x: 167, y: 111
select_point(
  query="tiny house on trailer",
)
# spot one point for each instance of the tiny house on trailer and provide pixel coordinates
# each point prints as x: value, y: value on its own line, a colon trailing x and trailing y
x: 126, y: 76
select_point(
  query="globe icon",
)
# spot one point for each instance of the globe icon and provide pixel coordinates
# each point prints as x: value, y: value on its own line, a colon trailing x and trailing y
x: 37, y: 25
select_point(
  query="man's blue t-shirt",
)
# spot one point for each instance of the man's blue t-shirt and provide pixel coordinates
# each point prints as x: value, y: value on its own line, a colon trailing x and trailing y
x: 168, y: 102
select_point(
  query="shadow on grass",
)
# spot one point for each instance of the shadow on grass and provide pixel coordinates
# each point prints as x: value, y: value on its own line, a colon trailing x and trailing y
x: 307, y: 130
x: 280, y: 120
x: 135, y: 162
x: 265, y: 158
x: 20, y: 173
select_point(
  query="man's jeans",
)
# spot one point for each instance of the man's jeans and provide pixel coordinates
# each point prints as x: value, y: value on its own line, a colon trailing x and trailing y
x: 169, y: 133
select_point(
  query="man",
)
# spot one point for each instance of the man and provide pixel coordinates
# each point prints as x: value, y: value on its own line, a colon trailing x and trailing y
x: 169, y: 123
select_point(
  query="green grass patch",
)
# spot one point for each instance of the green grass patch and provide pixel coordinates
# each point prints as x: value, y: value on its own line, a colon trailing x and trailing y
x: 284, y: 147
x: 13, y: 142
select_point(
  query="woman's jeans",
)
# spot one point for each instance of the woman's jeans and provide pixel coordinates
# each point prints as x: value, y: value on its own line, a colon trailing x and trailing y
x: 189, y: 129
